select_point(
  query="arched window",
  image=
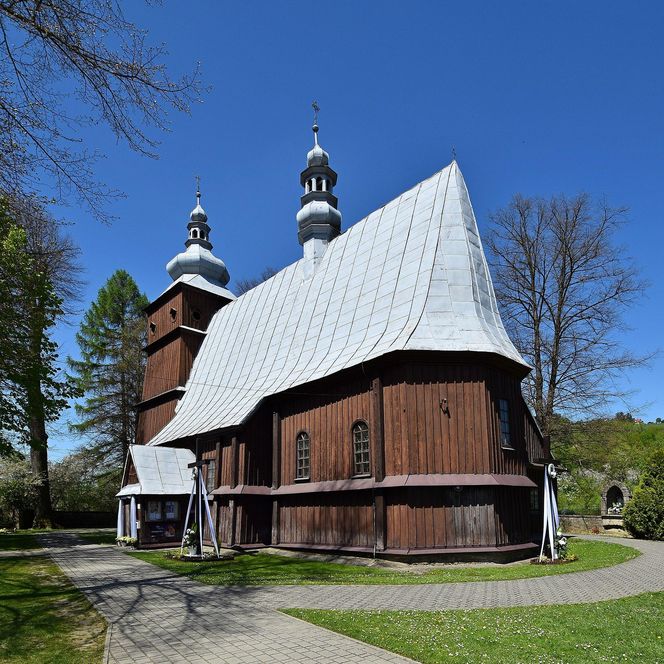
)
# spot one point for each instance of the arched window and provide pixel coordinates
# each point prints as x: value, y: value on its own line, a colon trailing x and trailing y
x: 361, y: 464
x: 195, y: 233
x: 302, y: 456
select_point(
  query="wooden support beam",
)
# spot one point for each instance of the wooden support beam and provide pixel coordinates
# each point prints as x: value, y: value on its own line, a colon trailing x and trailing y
x: 276, y: 450
x: 377, y: 429
x: 380, y: 518
x: 234, y: 462
x: 378, y: 437
x: 274, y: 540
x: 217, y: 473
x: 232, y: 515
x: 276, y: 474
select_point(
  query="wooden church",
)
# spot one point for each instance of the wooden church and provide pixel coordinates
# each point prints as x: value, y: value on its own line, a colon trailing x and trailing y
x: 364, y: 399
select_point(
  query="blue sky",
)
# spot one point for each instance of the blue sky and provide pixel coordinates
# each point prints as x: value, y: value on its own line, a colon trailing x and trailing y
x: 538, y: 98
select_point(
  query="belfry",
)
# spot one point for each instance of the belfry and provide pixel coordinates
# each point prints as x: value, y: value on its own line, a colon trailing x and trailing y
x: 177, y: 323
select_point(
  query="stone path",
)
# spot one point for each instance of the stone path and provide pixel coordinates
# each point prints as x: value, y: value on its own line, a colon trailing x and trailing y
x: 156, y: 616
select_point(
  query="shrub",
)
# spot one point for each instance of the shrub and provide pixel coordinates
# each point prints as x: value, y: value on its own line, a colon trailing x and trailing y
x: 644, y: 513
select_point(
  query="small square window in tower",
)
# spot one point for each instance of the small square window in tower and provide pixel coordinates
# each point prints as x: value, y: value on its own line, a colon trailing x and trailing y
x: 504, y: 415
x: 303, y: 456
x: 361, y: 449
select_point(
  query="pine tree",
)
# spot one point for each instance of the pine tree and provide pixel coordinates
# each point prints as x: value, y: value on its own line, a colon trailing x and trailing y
x: 110, y: 371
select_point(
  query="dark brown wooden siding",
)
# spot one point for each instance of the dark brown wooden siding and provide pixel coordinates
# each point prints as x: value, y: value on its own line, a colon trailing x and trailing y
x: 513, y: 519
x: 426, y: 434
x: 441, y: 518
x: 255, y: 450
x: 328, y: 418
x: 347, y: 521
x: 170, y: 359
x: 163, y: 370
x: 153, y: 420
x: 162, y: 320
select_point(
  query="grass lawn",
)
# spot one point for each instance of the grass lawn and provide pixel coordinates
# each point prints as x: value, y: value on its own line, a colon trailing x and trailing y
x: 265, y: 569
x: 97, y: 536
x: 43, y: 618
x: 18, y: 541
x: 623, y: 630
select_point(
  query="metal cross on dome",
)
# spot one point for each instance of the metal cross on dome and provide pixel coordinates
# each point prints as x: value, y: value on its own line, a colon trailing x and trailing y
x: 316, y: 107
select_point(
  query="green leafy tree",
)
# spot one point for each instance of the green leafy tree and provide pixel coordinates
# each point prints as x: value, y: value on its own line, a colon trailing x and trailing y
x: 12, y: 257
x: 110, y: 371
x: 19, y: 489
x: 77, y: 484
x: 644, y: 513
x: 38, y: 272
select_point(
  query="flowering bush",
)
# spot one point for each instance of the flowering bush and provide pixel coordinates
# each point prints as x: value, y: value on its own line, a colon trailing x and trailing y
x: 191, y: 535
x: 126, y: 540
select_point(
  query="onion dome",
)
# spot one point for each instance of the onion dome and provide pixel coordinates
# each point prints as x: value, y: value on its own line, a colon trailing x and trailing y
x: 318, y: 221
x: 198, y: 257
x: 317, y: 156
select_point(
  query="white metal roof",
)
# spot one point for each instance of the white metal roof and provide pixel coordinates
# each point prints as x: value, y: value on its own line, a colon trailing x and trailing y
x: 200, y: 282
x: 160, y: 470
x: 410, y: 276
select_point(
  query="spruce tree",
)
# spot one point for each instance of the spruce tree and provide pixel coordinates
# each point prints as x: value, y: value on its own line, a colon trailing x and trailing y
x: 110, y: 371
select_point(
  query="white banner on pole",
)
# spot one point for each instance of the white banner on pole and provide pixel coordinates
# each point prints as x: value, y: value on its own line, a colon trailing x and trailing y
x: 132, y: 518
x: 186, y: 519
x: 120, y: 525
x: 213, y: 537
x: 551, y: 517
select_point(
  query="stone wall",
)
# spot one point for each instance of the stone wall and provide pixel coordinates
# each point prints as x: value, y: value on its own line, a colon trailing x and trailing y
x: 580, y: 523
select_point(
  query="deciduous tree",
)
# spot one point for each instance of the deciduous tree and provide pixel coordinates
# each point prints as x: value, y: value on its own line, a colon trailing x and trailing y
x: 244, y: 285
x: 563, y: 285
x: 55, y: 52
x: 43, y: 273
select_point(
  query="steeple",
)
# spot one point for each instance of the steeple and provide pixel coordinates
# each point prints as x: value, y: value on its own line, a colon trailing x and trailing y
x: 318, y: 220
x: 198, y: 259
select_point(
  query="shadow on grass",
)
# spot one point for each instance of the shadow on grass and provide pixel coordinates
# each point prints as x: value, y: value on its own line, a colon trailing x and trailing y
x: 43, y: 617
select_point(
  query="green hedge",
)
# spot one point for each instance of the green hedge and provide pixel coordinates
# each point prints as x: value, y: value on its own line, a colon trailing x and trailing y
x: 644, y: 513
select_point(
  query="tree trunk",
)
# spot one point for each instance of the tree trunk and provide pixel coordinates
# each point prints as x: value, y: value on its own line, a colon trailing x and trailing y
x: 39, y: 463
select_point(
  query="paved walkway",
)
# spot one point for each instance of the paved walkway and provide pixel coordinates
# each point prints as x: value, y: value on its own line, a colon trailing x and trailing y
x: 156, y: 616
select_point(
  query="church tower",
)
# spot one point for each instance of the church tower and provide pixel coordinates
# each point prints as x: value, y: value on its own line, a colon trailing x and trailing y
x: 177, y: 322
x: 318, y: 221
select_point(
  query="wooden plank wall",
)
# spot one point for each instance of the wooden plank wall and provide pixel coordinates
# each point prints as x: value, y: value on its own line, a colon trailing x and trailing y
x: 501, y: 385
x: 512, y: 513
x: 206, y: 304
x: 420, y: 437
x: 154, y: 420
x: 161, y: 317
x: 253, y: 520
x: 328, y: 419
x: 346, y: 521
x: 163, y: 369
x: 255, y: 450
x: 434, y: 518
x: 534, y: 442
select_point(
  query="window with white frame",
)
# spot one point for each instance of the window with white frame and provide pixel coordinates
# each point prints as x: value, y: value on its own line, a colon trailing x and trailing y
x: 303, y: 456
x: 361, y: 461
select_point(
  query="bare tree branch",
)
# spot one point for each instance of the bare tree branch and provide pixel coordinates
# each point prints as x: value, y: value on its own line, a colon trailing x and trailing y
x: 563, y: 287
x: 86, y: 49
